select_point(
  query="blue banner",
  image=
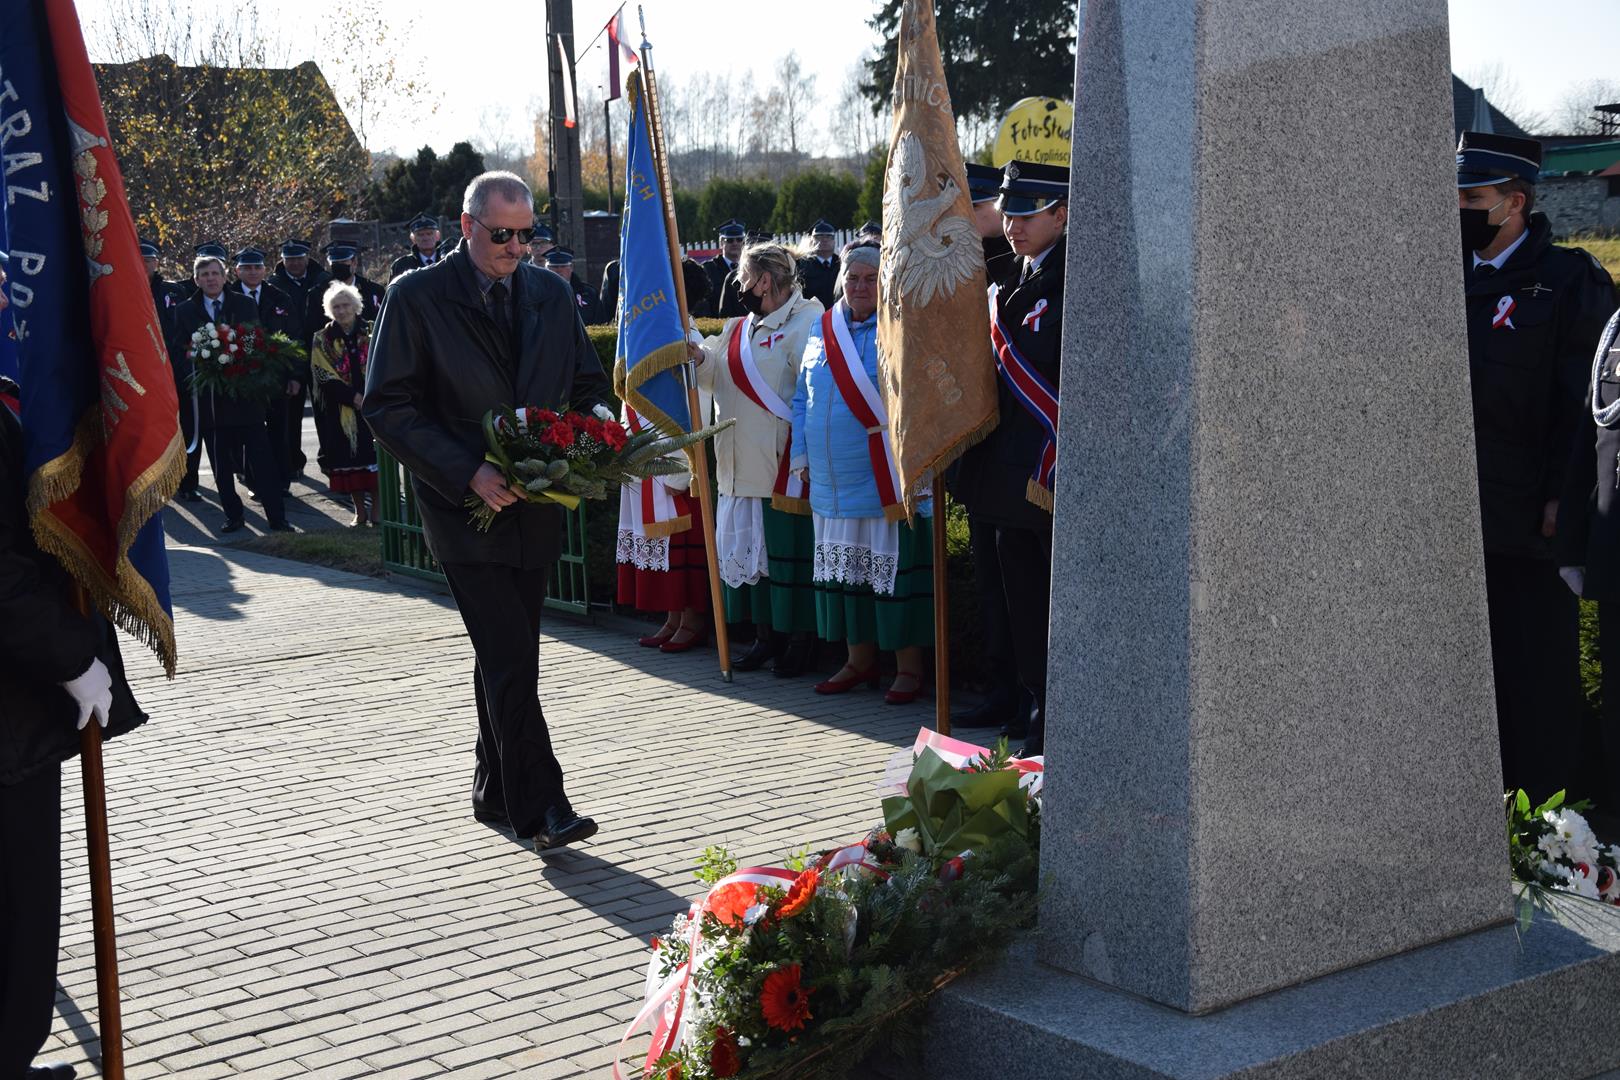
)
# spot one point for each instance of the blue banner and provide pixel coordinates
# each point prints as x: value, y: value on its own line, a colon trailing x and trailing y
x: 8, y: 330
x: 652, y: 340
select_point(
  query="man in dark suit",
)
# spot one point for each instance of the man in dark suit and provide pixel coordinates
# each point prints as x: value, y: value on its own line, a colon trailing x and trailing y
x: 300, y: 281
x: 819, y: 271
x: 480, y: 329
x: 1001, y: 482
x: 424, y: 247
x: 733, y: 234
x: 61, y: 668
x: 278, y: 315
x: 233, y: 430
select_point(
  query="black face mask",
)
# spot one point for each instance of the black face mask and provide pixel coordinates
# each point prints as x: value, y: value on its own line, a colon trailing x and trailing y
x: 342, y: 271
x: 752, y: 302
x: 1477, y: 230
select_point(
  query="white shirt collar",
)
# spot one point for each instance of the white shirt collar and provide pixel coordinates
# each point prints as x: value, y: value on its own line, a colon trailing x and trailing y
x: 1036, y: 260
x: 1502, y: 256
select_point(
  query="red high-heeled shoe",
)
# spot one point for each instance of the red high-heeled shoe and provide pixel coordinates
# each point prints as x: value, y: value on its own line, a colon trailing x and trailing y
x: 699, y: 637
x: 903, y: 697
x: 839, y: 686
x: 653, y: 641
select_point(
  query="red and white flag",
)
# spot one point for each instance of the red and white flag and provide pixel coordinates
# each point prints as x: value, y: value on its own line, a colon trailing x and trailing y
x: 617, y: 46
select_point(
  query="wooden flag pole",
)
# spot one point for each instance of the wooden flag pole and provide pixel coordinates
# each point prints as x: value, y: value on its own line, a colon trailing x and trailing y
x: 108, y: 1008
x: 699, y: 454
x: 942, y: 617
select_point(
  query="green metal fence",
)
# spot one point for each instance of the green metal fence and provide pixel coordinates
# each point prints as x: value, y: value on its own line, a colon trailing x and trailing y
x: 405, y: 549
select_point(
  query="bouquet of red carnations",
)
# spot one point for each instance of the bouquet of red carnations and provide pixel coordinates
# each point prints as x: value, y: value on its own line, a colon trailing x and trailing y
x: 246, y: 362
x: 563, y: 457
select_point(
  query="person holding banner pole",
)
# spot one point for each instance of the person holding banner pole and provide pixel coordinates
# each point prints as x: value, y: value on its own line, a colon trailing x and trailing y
x: 873, y: 570
x: 765, y: 541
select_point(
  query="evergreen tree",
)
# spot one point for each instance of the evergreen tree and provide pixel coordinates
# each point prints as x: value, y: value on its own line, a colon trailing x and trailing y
x: 811, y: 196
x: 870, y: 206
x: 426, y: 183
x: 750, y: 201
x: 995, y: 52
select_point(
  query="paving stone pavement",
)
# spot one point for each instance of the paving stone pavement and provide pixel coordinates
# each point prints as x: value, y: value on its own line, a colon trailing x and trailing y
x: 300, y: 886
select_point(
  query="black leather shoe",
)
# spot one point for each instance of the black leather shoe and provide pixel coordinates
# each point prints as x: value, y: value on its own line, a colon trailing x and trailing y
x: 51, y: 1070
x: 282, y: 526
x: 563, y: 827
x: 491, y: 815
x: 231, y: 525
x: 188, y: 495
x: 760, y: 653
x: 794, y: 659
x: 993, y: 711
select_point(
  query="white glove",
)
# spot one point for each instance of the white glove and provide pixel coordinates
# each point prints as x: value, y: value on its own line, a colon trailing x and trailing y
x: 1574, y: 577
x: 93, y: 692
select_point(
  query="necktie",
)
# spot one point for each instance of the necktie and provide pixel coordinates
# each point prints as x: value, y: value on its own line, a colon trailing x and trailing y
x: 1029, y: 268
x: 213, y: 310
x: 255, y: 297
x: 1484, y: 269
x: 497, y: 307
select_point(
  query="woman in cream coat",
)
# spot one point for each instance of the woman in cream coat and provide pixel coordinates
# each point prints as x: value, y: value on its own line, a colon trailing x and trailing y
x: 764, y: 539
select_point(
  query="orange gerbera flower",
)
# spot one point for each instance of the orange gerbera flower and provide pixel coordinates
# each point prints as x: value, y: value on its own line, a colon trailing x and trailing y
x: 800, y: 893
x: 729, y: 902
x: 723, y: 1057
x: 785, y: 1003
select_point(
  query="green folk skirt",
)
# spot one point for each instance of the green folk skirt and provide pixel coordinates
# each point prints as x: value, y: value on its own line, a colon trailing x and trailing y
x: 784, y: 601
x: 856, y: 614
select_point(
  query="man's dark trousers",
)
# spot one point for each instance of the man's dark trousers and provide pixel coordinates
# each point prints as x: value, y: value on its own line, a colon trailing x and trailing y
x: 230, y: 447
x: 30, y: 913
x: 1535, y: 654
x: 516, y: 769
x: 1026, y: 579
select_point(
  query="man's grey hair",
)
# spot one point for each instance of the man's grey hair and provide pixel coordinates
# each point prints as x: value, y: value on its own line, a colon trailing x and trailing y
x: 203, y: 260
x: 508, y: 185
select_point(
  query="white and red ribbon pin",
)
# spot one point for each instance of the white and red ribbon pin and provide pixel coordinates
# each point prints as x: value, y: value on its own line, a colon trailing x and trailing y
x: 1033, y: 319
x: 773, y: 339
x: 1504, y: 309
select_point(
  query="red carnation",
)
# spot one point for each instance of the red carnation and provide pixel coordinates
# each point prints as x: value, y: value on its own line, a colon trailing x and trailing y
x: 559, y: 435
x: 723, y: 1057
x: 542, y: 416
x: 613, y: 435
x: 785, y: 1003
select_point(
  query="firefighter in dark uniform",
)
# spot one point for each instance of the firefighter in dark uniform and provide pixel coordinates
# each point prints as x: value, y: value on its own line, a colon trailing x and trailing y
x: 607, y: 305
x: 342, y: 260
x: 1534, y: 314
x: 278, y: 315
x: 424, y: 250
x: 541, y: 242
x: 165, y: 294
x: 299, y: 280
x: 189, y: 409
x: 1001, y: 481
x: 1006, y: 704
x: 732, y: 235
x: 1588, y: 542
x: 560, y: 261
x: 819, y: 271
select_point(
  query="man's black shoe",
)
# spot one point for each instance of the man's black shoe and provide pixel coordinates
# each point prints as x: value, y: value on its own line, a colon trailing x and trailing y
x: 51, y: 1070
x: 189, y: 495
x: 282, y: 526
x: 993, y: 711
x: 563, y: 827
x: 1034, y: 746
x: 794, y: 659
x: 760, y: 653
x: 231, y: 525
x: 491, y: 815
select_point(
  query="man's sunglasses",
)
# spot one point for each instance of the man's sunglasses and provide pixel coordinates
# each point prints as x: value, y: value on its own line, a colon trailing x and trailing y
x: 501, y: 236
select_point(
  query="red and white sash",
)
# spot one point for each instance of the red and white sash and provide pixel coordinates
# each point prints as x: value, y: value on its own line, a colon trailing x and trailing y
x: 653, y: 513
x: 1038, y: 397
x: 843, y: 358
x: 790, y: 493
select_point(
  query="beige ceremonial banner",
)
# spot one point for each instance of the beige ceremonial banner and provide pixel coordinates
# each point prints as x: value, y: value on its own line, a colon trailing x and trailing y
x: 938, y: 371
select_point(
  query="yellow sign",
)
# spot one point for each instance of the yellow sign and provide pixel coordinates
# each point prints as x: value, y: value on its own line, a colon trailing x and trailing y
x: 1035, y: 129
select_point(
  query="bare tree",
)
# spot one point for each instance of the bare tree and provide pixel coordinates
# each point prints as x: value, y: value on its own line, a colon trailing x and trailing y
x: 1574, y: 114
x: 1504, y: 91
x: 361, y: 47
x: 856, y: 128
x: 795, y: 92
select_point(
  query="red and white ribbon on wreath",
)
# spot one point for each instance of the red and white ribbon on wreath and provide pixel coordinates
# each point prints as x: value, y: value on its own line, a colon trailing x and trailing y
x: 958, y: 755
x: 653, y: 511
x: 864, y: 401
x: 1504, y: 309
x: 790, y: 493
x: 1033, y: 319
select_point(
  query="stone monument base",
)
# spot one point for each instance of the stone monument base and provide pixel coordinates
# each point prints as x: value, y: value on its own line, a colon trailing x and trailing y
x: 1494, y: 1003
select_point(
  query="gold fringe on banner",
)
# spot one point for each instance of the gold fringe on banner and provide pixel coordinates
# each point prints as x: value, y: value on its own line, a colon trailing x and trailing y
x: 1038, y: 495
x: 790, y: 505
x: 658, y: 529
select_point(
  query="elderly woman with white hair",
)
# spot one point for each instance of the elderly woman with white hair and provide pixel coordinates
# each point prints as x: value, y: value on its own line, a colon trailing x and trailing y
x: 764, y: 541
x: 337, y: 359
x: 873, y: 570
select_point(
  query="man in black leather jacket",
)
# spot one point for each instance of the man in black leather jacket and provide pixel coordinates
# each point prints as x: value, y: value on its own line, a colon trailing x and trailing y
x: 61, y: 667
x: 479, y: 329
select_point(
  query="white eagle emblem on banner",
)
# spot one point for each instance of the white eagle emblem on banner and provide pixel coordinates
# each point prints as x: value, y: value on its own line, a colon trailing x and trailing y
x: 925, y: 252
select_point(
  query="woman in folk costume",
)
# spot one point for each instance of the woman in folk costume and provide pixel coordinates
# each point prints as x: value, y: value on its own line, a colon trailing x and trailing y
x: 662, y: 562
x: 873, y: 573
x: 337, y: 361
x: 764, y: 540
